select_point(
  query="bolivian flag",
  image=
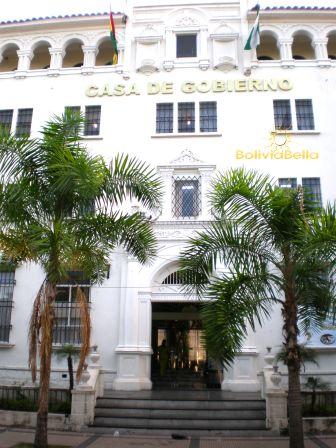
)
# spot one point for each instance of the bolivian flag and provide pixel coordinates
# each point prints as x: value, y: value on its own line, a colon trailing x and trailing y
x: 114, y: 41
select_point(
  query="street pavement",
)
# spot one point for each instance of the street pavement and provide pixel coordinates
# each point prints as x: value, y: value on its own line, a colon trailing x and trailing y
x: 11, y: 437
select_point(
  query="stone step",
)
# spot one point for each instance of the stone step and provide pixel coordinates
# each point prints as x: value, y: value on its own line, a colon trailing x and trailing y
x: 178, y: 424
x: 208, y: 395
x: 251, y: 433
x: 128, y: 403
x: 206, y: 414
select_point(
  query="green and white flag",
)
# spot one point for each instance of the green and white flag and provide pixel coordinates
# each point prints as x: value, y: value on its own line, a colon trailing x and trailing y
x: 254, y: 38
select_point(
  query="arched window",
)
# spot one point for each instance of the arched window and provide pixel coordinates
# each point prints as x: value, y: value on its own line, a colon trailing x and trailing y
x: 332, y: 45
x: 74, y: 56
x: 41, y: 56
x: 180, y: 278
x: 10, y: 58
x: 302, y: 47
x: 105, y: 52
x: 268, y: 49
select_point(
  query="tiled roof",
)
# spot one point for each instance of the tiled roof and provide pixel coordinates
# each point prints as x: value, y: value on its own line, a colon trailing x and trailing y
x: 299, y: 8
x: 68, y: 16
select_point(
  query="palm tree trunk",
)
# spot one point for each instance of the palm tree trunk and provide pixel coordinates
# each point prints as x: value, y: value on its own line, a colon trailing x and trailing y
x: 47, y: 318
x: 291, y: 331
x: 71, y: 375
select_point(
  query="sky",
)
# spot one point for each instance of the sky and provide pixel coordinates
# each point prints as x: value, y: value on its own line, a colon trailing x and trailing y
x: 19, y: 9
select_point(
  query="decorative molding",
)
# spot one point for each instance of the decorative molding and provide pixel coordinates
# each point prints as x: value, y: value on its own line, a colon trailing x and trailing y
x: 186, y: 21
x: 186, y: 158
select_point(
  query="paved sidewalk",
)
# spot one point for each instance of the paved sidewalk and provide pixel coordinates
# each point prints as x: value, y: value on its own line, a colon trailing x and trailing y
x: 10, y: 437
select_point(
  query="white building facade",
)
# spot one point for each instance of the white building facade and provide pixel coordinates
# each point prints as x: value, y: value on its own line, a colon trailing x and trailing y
x: 186, y: 98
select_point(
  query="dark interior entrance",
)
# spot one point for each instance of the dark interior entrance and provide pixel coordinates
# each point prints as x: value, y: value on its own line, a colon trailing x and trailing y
x: 181, y: 362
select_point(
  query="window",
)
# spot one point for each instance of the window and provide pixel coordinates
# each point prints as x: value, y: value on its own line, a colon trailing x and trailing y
x: 288, y: 182
x: 312, y: 187
x: 186, y: 45
x: 191, y: 117
x: 186, y: 117
x: 7, y: 282
x: 282, y: 114
x: 6, y: 117
x: 72, y: 109
x: 186, y: 197
x: 208, y: 116
x: 304, y: 114
x: 92, y: 120
x: 67, y: 324
x: 23, y: 123
x: 164, y: 118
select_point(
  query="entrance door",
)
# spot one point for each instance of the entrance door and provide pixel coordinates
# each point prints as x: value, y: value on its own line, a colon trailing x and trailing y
x: 179, y: 359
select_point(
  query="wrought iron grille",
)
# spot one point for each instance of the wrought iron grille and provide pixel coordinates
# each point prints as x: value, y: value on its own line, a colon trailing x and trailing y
x: 24, y: 121
x: 67, y: 324
x: 208, y: 116
x: 6, y: 117
x: 186, y: 197
x: 180, y: 278
x: 186, y: 117
x: 186, y: 46
x: 164, y: 118
x: 7, y: 282
x: 304, y: 114
x: 312, y: 189
x: 288, y: 182
x: 282, y: 114
x: 92, y: 120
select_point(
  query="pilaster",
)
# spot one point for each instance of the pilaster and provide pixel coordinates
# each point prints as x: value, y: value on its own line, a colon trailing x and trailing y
x: 321, y: 52
x: 90, y: 53
x: 286, y: 55
x: 25, y: 57
x: 56, y: 58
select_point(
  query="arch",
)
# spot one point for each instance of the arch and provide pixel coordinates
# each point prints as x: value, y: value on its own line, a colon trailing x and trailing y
x: 9, y: 57
x: 331, y: 45
x: 302, y: 47
x: 41, y: 56
x: 268, y: 48
x: 104, y: 51
x: 73, y: 53
x: 163, y: 271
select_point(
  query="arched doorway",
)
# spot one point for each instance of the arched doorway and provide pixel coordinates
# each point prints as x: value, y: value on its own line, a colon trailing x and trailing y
x: 179, y: 360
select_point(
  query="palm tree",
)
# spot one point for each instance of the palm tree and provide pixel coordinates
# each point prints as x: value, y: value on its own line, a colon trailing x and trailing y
x: 60, y: 207
x: 70, y: 352
x: 275, y: 247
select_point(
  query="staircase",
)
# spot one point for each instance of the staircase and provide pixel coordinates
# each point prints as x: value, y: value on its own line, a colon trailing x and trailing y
x: 179, y: 380
x: 186, y: 413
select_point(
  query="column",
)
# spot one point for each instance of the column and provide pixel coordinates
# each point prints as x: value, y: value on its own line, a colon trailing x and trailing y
x: 286, y: 56
x: 204, y: 62
x: 205, y: 187
x: 56, y: 59
x: 25, y: 57
x: 90, y: 52
x: 321, y: 52
x: 134, y: 348
x: 168, y: 63
x: 167, y: 178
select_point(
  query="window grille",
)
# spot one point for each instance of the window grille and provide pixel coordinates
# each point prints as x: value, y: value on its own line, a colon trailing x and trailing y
x: 6, y: 117
x: 67, y: 324
x: 92, y: 120
x: 186, y: 46
x: 164, y: 118
x: 304, y: 114
x: 24, y: 121
x: 282, y: 114
x: 208, y: 116
x: 186, y: 197
x: 288, y: 182
x: 312, y: 188
x: 7, y: 282
x: 180, y: 277
x: 186, y: 117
